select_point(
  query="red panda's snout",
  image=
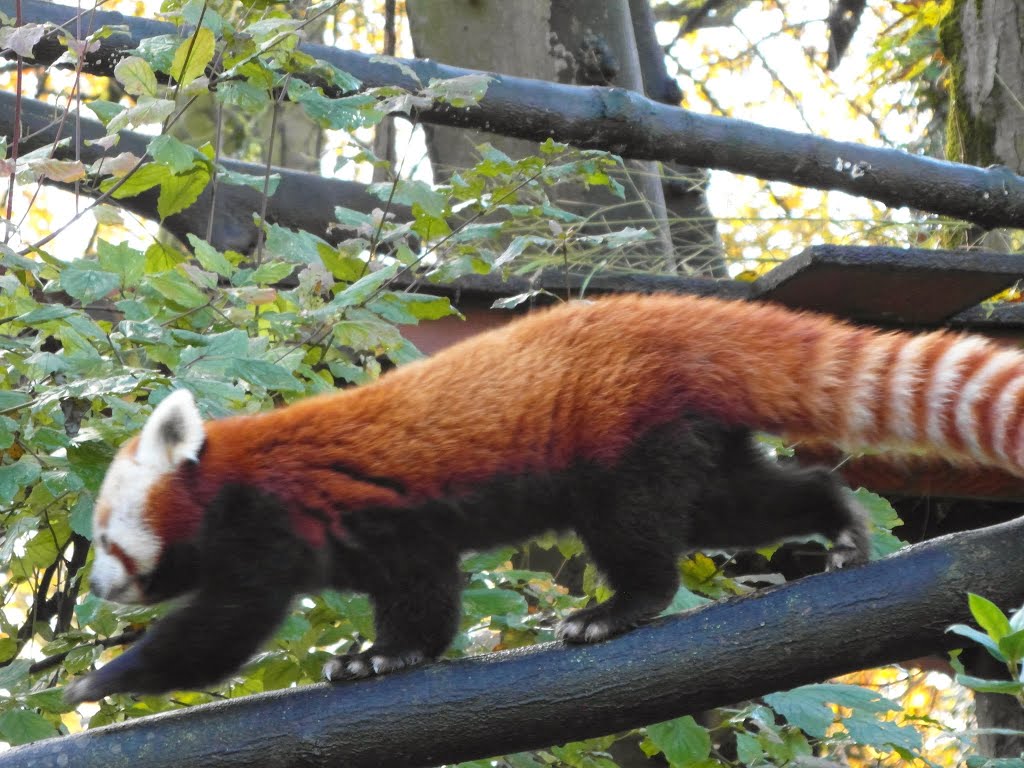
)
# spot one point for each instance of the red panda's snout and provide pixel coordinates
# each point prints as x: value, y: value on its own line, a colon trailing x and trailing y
x: 111, y: 582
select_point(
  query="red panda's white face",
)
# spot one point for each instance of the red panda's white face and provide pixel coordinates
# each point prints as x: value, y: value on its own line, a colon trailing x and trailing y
x: 127, y: 548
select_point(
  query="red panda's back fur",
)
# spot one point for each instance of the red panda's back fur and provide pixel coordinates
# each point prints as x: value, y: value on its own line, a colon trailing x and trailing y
x: 583, y: 380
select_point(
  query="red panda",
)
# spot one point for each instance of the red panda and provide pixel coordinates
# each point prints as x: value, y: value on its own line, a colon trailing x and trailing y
x: 627, y: 420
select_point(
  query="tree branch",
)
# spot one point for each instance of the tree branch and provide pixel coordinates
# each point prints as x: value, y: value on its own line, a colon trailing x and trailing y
x: 736, y: 649
x: 636, y: 127
x: 303, y: 201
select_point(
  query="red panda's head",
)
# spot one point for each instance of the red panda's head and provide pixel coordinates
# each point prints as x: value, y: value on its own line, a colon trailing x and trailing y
x: 128, y: 549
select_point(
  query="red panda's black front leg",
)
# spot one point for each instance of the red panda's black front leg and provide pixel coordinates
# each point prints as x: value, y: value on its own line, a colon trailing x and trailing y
x: 416, y: 615
x: 251, y: 565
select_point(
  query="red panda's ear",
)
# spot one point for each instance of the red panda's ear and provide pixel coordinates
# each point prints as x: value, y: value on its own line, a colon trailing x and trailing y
x: 173, y: 434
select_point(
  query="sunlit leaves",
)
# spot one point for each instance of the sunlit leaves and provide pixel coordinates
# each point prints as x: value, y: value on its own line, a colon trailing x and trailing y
x: 172, y: 153
x: 136, y: 76
x: 159, y: 51
x: 22, y: 38
x: 346, y: 113
x: 193, y: 56
x: 209, y: 257
x: 179, y: 191
x: 809, y: 709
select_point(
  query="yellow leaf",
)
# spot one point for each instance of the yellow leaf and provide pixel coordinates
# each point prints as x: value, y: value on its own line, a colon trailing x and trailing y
x: 193, y: 56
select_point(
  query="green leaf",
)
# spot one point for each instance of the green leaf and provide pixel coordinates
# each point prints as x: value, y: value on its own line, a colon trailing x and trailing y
x: 682, y: 741
x: 883, y: 519
x: 193, y: 56
x: 9, y: 401
x: 808, y: 708
x: 14, y: 673
x: 143, y: 178
x: 265, y: 374
x: 366, y: 335
x: 21, y: 726
x: 342, y: 114
x: 225, y: 176
x: 42, y: 550
x: 246, y: 96
x: 137, y: 77
x: 881, y: 734
x: 161, y: 257
x: 979, y: 637
x: 748, y: 748
x: 147, y: 111
x: 14, y: 477
x: 354, y: 219
x: 171, y: 152
x: 409, y: 308
x: 481, y: 601
x: 462, y: 91
x: 271, y: 272
x: 81, y: 516
x: 684, y: 600
x: 411, y: 192
x: 90, y: 460
x: 179, y: 192
x: 1013, y: 645
x: 97, y: 615
x: 176, y: 288
x: 278, y: 672
x: 488, y: 560
x: 46, y: 314
x: 339, y: 78
x: 123, y: 260
x: 105, y: 111
x: 8, y: 427
x: 1011, y: 687
x: 48, y: 700
x: 286, y: 245
x: 87, y: 281
x: 365, y: 287
x: 989, y: 616
x: 210, y: 257
x: 159, y: 51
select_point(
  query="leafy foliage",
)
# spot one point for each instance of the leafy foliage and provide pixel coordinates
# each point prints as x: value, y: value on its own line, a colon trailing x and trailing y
x: 1003, y: 638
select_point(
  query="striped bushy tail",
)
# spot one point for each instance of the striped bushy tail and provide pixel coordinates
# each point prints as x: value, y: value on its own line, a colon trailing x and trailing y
x: 955, y: 396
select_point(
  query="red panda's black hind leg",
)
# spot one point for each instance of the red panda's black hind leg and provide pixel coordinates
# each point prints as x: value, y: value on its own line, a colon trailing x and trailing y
x: 698, y: 484
x: 640, y: 595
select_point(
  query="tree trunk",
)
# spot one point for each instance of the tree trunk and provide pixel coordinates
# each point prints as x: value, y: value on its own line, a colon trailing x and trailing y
x: 693, y: 229
x: 580, y: 42
x: 982, y: 41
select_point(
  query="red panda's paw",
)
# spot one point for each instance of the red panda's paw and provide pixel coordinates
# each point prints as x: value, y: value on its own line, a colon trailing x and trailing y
x: 578, y: 629
x: 616, y: 615
x: 83, y: 689
x: 351, y: 666
x: 852, y: 546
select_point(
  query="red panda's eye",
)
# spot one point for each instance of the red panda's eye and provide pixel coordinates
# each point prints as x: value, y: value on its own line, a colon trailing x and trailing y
x: 104, y: 542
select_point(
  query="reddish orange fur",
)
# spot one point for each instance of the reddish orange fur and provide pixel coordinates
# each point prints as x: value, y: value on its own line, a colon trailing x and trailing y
x: 580, y: 381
